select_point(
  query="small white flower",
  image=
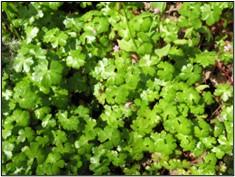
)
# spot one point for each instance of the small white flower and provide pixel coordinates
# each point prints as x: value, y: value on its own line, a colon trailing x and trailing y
x: 94, y: 160
x: 116, y: 48
x: 40, y: 14
x: 119, y: 148
x: 147, y: 5
x: 94, y: 31
x: 7, y: 94
x: 156, y: 11
x: 227, y: 47
x: 128, y: 104
x: 90, y: 39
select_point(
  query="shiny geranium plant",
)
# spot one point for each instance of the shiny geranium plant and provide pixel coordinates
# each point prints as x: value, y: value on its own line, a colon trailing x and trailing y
x: 117, y: 88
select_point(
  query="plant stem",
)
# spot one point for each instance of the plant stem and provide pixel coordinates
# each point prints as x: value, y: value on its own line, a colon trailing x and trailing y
x: 128, y: 27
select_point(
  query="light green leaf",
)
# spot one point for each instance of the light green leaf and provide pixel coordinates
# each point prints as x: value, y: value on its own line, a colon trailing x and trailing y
x: 160, y: 5
x: 127, y: 45
x: 76, y: 59
x: 31, y: 32
x: 224, y: 91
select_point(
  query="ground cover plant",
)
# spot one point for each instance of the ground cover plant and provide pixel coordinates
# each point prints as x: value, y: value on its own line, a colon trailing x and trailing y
x: 117, y: 88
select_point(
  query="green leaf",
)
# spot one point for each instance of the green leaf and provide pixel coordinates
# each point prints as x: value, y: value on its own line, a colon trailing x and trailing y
x: 169, y: 30
x: 117, y: 88
x: 25, y: 94
x: 59, y: 137
x: 224, y: 91
x: 211, y: 13
x: 186, y: 142
x: 159, y: 5
x: 205, y: 58
x: 208, y: 97
x: 191, y: 74
x: 141, y: 22
x: 209, y: 142
x: 68, y: 123
x: 163, y: 143
x: 21, y: 117
x: 199, y: 149
x: 219, y: 128
x: 166, y: 72
x: 219, y: 152
x: 145, y: 48
x: 53, y: 5
x: 109, y: 133
x: 127, y: 45
x: 202, y: 87
x: 54, y: 163
x: 190, y: 15
x: 40, y: 113
x: 22, y: 63
x: 31, y: 32
x: 226, y: 114
x: 7, y: 149
x: 48, y: 122
x: 55, y: 37
x: 147, y: 62
x: 163, y: 51
x: 46, y: 75
x: 101, y: 24
x: 26, y: 133
x: 203, y: 129
x: 76, y: 59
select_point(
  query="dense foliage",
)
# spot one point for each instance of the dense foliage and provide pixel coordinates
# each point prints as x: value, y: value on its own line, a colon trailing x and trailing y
x: 117, y: 88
